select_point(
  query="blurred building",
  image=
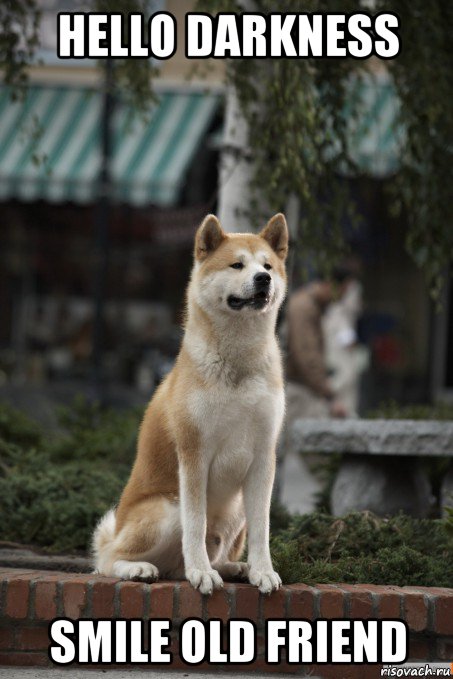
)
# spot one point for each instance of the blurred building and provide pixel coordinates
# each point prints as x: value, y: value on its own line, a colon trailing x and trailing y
x: 410, y: 337
x: 163, y: 179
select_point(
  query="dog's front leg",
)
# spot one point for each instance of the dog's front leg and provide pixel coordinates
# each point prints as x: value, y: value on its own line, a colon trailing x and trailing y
x: 193, y: 488
x: 257, y: 500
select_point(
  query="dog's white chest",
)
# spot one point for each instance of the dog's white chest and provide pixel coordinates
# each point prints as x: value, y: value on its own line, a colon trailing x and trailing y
x: 235, y: 424
x: 224, y: 413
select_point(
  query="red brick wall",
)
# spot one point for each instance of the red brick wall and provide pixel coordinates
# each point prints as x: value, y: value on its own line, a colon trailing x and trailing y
x: 30, y: 599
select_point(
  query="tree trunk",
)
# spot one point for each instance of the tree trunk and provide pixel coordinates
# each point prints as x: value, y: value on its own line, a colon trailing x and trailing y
x: 236, y: 169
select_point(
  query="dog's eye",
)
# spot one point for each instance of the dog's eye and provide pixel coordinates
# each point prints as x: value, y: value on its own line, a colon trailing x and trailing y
x: 268, y: 267
x: 237, y: 265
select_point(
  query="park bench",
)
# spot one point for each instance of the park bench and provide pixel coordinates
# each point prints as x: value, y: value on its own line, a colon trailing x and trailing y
x: 381, y: 468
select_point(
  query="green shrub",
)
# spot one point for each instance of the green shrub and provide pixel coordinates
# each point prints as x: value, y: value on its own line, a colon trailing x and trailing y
x: 16, y: 427
x: 364, y: 548
x: 53, y: 490
x: 92, y: 433
x: 391, y: 410
x: 54, y: 506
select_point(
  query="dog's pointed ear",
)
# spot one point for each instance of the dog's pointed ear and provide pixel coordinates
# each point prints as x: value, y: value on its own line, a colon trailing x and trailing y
x: 208, y: 238
x: 276, y: 234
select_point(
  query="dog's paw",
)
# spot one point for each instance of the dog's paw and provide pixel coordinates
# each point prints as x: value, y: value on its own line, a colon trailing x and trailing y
x: 204, y: 580
x: 266, y: 581
x: 237, y: 570
x: 135, y: 570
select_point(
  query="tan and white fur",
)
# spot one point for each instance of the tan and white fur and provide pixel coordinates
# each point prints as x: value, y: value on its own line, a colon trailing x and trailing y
x: 205, y: 462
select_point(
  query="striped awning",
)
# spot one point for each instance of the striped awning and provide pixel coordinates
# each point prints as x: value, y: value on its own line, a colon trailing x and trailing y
x: 50, y: 145
x: 375, y: 135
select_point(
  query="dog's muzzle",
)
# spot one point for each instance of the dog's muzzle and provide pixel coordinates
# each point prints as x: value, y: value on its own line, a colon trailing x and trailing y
x: 260, y: 298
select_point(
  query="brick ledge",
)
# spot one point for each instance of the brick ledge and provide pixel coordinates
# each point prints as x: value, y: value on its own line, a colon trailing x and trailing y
x: 29, y: 599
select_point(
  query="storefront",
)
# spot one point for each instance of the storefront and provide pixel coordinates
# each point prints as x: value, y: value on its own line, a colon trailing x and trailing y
x: 163, y: 178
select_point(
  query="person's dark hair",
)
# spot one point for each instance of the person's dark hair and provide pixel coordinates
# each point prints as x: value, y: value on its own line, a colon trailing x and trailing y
x: 340, y: 274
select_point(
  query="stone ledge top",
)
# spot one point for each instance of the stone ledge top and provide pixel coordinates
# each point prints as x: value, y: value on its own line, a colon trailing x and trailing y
x: 374, y: 437
x: 34, y: 596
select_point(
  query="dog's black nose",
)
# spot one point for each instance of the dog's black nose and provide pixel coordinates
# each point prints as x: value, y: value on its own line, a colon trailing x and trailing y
x: 262, y: 279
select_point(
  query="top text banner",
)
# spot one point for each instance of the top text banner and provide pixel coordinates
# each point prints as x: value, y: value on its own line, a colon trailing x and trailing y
x: 358, y: 35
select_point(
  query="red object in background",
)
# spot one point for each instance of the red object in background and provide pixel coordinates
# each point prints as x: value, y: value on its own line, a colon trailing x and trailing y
x: 388, y: 351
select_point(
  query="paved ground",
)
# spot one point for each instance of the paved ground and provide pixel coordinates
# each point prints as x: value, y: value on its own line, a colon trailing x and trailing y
x: 75, y: 673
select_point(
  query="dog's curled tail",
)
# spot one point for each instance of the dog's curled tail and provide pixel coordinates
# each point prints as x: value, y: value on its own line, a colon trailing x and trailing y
x: 103, y: 537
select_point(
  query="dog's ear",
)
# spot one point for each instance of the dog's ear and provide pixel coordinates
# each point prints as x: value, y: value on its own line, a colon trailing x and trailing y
x: 276, y: 234
x: 208, y: 238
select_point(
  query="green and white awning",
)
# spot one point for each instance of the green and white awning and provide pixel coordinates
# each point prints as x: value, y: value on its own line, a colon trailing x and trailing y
x: 50, y: 145
x: 375, y: 136
x: 50, y: 142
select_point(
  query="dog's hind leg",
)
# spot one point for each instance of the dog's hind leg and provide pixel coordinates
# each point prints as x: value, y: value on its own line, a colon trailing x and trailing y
x: 237, y: 548
x: 232, y: 568
x: 146, y: 542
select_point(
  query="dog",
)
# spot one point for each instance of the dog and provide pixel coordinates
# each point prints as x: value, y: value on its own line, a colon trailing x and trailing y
x: 205, y: 463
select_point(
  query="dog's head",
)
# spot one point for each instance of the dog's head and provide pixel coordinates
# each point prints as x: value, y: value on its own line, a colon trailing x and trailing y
x: 240, y: 273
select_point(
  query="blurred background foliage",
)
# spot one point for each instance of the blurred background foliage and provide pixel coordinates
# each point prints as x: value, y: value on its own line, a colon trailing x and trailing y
x: 19, y: 40
x: 296, y: 112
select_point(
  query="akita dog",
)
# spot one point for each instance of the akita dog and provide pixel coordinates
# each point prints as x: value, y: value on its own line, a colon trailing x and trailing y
x: 205, y: 462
